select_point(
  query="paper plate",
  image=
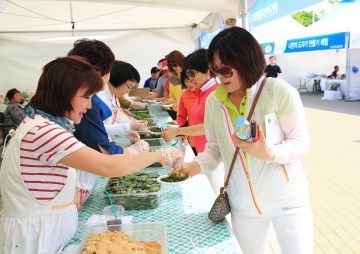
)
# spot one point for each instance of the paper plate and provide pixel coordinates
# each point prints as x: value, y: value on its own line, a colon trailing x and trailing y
x: 171, y: 183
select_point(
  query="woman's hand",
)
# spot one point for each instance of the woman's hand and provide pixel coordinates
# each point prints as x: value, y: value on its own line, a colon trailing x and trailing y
x: 172, y: 157
x: 258, y: 149
x: 170, y: 133
x: 133, y: 136
x: 192, y: 169
x: 139, y: 147
x: 140, y: 126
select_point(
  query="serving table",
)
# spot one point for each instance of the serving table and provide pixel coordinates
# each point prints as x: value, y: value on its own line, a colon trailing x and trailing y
x: 183, y: 208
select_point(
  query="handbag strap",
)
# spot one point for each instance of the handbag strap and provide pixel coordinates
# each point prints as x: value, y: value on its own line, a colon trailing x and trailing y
x: 248, y: 118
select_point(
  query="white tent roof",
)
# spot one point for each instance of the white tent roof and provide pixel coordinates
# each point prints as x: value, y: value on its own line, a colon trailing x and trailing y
x: 74, y: 16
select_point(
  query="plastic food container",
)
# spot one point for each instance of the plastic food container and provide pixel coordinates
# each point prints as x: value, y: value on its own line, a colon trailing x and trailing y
x: 155, y: 141
x: 136, y: 199
x: 141, y: 231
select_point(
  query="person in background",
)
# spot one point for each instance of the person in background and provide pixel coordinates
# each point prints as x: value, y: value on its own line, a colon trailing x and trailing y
x: 196, y: 67
x: 123, y: 77
x: 187, y: 101
x: 159, y: 92
x: 334, y: 74
x: 268, y: 184
x: 175, y: 61
x: 151, y: 82
x: 37, y: 176
x: 272, y: 70
x: 91, y: 131
x: 14, y: 112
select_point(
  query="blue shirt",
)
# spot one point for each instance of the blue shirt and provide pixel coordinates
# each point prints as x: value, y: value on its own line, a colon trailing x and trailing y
x: 91, y: 130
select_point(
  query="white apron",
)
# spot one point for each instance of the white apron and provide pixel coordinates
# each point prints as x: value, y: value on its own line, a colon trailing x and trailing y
x: 27, y: 225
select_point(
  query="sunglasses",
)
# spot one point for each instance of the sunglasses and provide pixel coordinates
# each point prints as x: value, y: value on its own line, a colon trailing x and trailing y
x: 225, y: 72
x: 173, y: 65
x: 191, y: 73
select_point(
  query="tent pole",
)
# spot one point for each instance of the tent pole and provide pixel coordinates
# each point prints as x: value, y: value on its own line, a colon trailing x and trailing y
x: 244, y: 14
x: 347, y: 92
x: 72, y: 18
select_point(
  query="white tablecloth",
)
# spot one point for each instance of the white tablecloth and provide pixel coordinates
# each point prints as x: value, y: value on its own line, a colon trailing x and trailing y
x: 332, y: 95
x: 2, y: 107
x: 326, y: 83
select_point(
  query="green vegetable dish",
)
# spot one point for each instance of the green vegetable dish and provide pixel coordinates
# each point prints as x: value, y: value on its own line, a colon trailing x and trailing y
x: 141, y: 116
x: 138, y: 191
x: 155, y: 129
x: 175, y: 177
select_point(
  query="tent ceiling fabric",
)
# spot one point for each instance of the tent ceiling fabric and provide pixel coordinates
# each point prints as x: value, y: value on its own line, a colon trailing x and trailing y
x: 26, y: 16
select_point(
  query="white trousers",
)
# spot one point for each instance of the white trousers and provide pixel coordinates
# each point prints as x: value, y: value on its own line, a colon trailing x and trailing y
x: 294, y: 231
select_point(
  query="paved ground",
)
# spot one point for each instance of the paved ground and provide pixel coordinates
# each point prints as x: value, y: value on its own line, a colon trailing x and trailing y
x: 333, y: 170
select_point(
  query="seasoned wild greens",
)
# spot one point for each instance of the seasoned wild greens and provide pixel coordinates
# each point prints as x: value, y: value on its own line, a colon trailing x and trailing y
x: 138, y: 191
x: 155, y: 129
x: 141, y: 116
x: 175, y: 177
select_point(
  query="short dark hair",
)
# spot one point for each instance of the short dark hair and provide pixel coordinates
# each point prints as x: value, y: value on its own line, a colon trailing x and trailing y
x: 60, y: 81
x: 183, y: 77
x: 197, y: 61
x: 10, y: 94
x: 272, y: 57
x: 122, y: 72
x: 175, y: 57
x: 154, y: 70
x: 96, y: 52
x: 237, y: 48
x: 336, y: 66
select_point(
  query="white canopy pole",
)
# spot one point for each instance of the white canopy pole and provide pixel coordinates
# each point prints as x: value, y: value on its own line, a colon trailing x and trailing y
x: 347, y: 81
x: 244, y: 14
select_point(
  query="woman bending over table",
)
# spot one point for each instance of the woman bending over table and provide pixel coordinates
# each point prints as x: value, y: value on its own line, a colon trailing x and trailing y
x: 37, y: 176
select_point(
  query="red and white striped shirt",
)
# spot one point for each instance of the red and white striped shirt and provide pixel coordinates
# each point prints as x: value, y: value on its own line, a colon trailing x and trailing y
x: 40, y: 150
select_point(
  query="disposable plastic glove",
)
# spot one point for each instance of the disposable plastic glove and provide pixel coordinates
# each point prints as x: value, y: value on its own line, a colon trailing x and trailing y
x: 137, y: 105
x: 140, y: 126
x: 139, y: 147
x: 172, y: 157
x: 133, y: 136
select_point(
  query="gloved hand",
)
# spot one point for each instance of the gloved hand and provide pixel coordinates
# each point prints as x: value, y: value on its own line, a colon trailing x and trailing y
x: 140, y: 126
x: 139, y: 147
x: 172, y: 157
x: 137, y: 105
x: 133, y: 136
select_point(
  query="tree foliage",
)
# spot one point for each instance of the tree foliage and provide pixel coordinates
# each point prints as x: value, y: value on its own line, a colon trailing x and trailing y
x: 306, y: 17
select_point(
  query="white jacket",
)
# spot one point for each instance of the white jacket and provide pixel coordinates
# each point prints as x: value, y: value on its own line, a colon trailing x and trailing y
x: 271, y: 188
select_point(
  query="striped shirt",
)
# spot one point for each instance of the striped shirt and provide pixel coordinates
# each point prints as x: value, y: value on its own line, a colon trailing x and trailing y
x: 40, y: 150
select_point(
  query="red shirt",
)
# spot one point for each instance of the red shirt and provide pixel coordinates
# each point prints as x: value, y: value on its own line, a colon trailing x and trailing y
x: 198, y: 111
x: 186, y: 103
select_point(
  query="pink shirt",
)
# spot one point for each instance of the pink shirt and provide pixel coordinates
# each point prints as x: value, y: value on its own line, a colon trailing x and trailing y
x: 198, y: 111
x: 186, y: 103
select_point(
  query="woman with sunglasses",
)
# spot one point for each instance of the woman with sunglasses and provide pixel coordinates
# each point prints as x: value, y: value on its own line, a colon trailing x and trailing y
x: 196, y: 68
x: 37, y: 176
x: 267, y: 185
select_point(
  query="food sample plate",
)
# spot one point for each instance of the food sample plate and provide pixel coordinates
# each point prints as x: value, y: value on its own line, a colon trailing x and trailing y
x: 159, y: 179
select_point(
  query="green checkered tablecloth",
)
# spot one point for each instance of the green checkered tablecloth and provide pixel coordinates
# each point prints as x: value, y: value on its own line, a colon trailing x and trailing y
x: 183, y: 209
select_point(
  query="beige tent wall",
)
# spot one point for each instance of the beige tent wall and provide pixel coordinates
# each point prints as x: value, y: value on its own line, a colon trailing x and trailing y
x: 22, y: 59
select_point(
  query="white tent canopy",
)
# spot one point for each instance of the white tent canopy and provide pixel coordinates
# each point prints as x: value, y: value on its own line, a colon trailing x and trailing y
x: 138, y: 31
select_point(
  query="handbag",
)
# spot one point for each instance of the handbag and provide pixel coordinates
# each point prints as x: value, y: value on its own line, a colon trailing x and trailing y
x: 221, y: 206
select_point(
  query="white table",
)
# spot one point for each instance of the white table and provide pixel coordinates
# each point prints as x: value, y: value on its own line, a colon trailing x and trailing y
x: 326, y: 83
x: 2, y: 107
x: 332, y: 95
